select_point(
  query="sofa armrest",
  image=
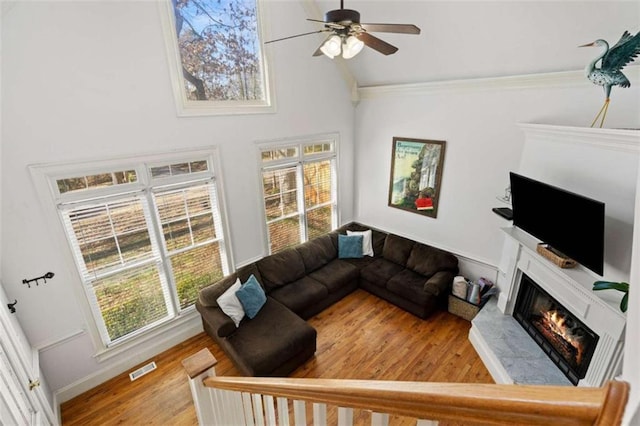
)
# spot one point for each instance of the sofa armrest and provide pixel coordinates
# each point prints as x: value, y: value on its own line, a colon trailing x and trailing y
x: 439, y: 283
x: 217, y: 320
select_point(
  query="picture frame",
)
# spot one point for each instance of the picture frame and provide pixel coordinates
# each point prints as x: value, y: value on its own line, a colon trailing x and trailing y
x: 416, y: 175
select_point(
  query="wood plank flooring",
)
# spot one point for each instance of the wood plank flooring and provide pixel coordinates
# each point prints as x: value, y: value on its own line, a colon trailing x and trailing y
x: 360, y: 337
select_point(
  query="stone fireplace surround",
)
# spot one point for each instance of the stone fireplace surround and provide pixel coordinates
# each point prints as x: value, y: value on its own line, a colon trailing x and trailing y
x: 511, y: 356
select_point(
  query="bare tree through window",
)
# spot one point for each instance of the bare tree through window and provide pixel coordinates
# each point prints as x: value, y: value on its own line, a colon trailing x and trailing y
x: 219, y: 49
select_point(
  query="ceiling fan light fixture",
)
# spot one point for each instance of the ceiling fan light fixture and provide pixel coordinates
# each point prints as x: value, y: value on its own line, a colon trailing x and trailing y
x: 352, y: 46
x: 332, y: 47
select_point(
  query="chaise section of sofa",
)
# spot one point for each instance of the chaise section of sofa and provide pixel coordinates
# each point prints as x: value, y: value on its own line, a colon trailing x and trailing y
x: 274, y: 343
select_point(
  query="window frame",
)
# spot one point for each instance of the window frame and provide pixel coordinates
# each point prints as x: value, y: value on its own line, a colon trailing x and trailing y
x: 298, y: 161
x: 44, y: 178
x: 190, y: 108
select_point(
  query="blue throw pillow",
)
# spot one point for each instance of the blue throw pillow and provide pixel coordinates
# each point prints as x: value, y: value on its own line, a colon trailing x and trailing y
x: 251, y: 297
x: 349, y: 246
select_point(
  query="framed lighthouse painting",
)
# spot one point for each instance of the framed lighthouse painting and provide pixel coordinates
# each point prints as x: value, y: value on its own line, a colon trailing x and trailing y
x: 416, y: 175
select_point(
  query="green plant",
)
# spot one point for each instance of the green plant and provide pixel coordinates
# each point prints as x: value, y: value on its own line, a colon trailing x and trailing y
x: 621, y: 286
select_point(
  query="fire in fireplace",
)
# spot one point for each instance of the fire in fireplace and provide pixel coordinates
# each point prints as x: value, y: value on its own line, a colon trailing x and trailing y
x: 568, y: 342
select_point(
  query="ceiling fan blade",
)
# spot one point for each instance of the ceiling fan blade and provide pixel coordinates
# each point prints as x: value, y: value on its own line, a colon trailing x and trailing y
x: 376, y: 44
x: 297, y: 35
x: 333, y: 25
x: 392, y: 28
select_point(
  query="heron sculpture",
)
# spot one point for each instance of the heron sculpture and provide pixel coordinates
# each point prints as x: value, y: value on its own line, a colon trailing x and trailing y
x: 613, y: 60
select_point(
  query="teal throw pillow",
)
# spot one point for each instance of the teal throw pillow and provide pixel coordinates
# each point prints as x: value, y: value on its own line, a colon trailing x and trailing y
x: 251, y: 297
x: 349, y: 246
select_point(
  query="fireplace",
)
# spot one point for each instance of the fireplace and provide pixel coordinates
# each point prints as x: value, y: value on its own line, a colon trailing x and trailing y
x: 567, y: 341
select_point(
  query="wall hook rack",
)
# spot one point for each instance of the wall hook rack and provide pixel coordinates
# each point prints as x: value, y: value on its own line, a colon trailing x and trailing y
x: 12, y: 306
x: 45, y: 277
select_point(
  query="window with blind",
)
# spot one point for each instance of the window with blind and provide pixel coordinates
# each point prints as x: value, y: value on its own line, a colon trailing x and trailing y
x: 299, y: 191
x: 145, y: 241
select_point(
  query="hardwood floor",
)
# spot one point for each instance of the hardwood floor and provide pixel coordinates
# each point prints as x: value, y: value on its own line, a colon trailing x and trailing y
x: 360, y: 337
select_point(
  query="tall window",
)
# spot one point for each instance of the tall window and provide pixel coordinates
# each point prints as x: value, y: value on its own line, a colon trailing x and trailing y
x: 145, y: 238
x: 215, y: 53
x: 299, y: 190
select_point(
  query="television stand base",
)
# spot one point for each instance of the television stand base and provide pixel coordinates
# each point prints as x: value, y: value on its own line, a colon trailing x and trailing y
x: 549, y: 253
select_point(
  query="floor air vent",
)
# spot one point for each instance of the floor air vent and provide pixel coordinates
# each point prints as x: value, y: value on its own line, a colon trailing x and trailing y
x: 142, y: 371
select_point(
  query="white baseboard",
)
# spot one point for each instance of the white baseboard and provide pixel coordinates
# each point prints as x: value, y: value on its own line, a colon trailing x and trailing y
x: 161, y: 344
x: 497, y: 371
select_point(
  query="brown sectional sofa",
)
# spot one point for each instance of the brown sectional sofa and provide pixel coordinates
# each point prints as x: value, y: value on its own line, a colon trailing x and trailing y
x: 302, y: 281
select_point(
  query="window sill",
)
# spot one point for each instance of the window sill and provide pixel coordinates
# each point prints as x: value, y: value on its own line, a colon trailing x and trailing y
x: 163, y: 332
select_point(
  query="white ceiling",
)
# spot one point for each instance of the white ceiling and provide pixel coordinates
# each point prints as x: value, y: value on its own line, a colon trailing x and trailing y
x: 474, y: 39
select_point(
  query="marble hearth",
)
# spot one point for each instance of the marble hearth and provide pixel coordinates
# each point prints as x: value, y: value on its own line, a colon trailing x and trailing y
x: 511, y: 355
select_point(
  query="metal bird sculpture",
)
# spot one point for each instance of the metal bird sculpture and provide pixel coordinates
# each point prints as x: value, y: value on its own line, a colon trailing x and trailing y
x: 613, y: 60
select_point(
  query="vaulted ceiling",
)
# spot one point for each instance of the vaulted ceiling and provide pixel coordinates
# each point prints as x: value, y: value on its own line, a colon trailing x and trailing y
x: 472, y: 39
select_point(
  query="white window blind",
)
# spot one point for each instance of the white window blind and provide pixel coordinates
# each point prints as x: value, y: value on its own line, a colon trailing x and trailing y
x: 119, y: 263
x: 143, y: 256
x: 299, y: 190
x: 192, y: 230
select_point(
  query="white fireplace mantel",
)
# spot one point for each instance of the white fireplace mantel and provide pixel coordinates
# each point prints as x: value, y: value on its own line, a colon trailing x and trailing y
x: 591, y: 162
x: 615, y: 139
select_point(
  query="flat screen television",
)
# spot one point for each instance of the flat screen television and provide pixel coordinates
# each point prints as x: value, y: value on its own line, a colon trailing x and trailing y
x: 568, y: 222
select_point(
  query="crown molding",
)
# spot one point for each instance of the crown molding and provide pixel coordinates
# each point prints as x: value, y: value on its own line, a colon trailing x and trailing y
x: 627, y: 140
x: 515, y: 82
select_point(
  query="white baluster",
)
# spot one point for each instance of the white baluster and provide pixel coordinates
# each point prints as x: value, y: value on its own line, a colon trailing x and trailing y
x: 257, y: 409
x: 248, y: 409
x: 299, y: 413
x: 379, y: 419
x: 319, y: 414
x: 283, y: 411
x: 423, y: 422
x: 269, y: 410
x: 345, y: 416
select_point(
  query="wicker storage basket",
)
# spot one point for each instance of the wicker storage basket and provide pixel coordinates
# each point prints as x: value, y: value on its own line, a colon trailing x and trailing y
x: 462, y: 308
x: 564, y: 262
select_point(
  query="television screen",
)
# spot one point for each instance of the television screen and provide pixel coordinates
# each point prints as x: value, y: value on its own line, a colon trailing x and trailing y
x: 570, y: 223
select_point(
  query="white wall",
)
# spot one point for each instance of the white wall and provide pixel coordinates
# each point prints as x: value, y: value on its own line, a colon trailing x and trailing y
x: 478, y: 122
x: 605, y: 173
x: 89, y: 80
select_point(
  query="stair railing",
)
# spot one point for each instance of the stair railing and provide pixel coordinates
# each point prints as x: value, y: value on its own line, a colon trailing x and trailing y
x: 278, y: 401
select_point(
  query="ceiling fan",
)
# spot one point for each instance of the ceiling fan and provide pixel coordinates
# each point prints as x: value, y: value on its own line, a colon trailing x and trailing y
x: 347, y: 36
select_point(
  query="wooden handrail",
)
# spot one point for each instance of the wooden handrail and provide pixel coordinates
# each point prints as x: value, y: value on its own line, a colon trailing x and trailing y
x: 479, y: 403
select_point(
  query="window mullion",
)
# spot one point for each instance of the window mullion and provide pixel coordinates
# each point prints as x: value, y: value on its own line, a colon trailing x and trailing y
x: 302, y: 208
x: 217, y: 226
x: 115, y: 235
x: 168, y: 284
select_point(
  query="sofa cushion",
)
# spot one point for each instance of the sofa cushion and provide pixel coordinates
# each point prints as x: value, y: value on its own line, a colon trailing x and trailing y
x: 317, y: 252
x: 380, y: 271
x: 300, y: 294
x: 336, y: 274
x: 367, y: 248
x: 409, y: 285
x: 230, y: 304
x: 261, y: 346
x: 428, y: 260
x: 377, y: 237
x: 208, y: 295
x: 397, y: 249
x: 349, y: 246
x: 281, y: 268
x: 251, y: 296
